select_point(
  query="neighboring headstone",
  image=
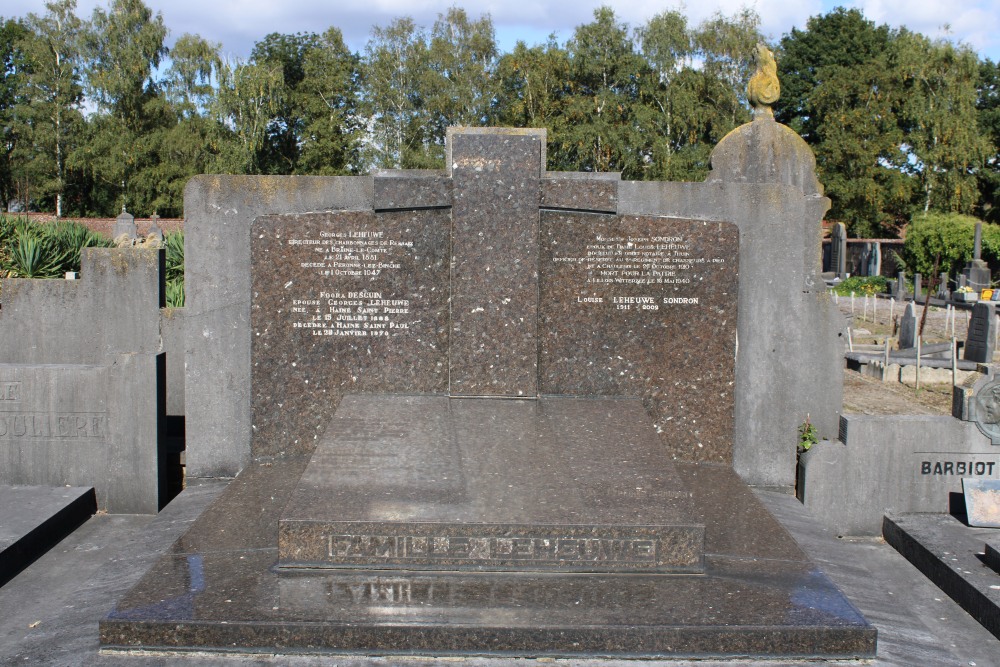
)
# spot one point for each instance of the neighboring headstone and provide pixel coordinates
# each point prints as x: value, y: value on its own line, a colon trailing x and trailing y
x: 977, y: 271
x: 908, y: 328
x: 155, y: 232
x: 838, y: 252
x: 942, y: 289
x: 909, y: 463
x: 124, y: 226
x: 82, y: 405
x: 963, y: 281
x: 918, y: 287
x: 873, y: 258
x: 900, y: 292
x: 981, y: 338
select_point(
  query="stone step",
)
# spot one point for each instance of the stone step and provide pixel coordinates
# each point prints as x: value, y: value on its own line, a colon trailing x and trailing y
x: 33, y: 519
x: 951, y: 554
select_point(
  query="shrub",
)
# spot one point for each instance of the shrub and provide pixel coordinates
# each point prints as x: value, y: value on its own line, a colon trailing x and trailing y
x: 33, y: 250
x: 173, y: 243
x: 862, y: 285
x: 952, y: 236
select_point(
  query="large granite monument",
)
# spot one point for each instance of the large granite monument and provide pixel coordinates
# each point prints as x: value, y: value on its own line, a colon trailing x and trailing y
x: 493, y: 413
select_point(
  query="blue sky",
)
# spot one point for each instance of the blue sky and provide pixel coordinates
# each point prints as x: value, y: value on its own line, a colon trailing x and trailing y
x: 237, y: 24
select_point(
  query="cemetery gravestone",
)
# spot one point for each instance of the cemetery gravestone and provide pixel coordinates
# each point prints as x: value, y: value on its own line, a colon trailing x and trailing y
x: 838, y: 250
x: 83, y: 405
x: 471, y: 442
x: 900, y: 293
x: 943, y: 292
x: 908, y: 328
x: 125, y: 226
x: 977, y: 272
x: 155, y: 231
x: 981, y: 338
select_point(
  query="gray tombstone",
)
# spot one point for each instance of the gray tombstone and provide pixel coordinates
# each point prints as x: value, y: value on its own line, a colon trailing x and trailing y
x: 908, y: 328
x: 977, y: 271
x: 82, y: 404
x: 900, y: 292
x: 917, y: 286
x: 838, y: 250
x: 963, y: 281
x: 125, y: 225
x: 873, y: 266
x: 942, y: 288
x: 154, y: 228
x: 981, y: 339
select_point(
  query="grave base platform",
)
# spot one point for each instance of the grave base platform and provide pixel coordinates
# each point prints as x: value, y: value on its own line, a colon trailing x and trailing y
x: 955, y: 556
x: 474, y: 484
x: 758, y: 596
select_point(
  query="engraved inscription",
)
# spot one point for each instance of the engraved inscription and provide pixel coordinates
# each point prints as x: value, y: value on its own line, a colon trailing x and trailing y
x: 53, y: 426
x: 477, y: 548
x: 10, y: 391
x: 351, y: 253
x: 360, y: 257
x: 638, y: 260
x: 351, y: 314
x: 958, y: 468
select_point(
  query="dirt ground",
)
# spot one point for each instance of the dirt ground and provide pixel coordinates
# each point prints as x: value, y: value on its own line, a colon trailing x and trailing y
x: 869, y: 396
x: 871, y: 323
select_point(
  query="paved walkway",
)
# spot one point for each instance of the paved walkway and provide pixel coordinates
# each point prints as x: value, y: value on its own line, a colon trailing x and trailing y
x: 49, y: 612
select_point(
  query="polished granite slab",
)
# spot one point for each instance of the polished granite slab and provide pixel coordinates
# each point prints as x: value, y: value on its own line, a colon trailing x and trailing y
x: 218, y: 589
x: 431, y: 482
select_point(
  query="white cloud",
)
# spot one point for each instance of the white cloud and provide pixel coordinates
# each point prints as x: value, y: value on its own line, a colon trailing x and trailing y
x: 240, y: 23
x: 973, y: 22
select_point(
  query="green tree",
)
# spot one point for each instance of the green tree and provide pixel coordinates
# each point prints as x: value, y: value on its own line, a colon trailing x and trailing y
x: 988, y: 106
x: 600, y: 125
x: 125, y: 47
x: 695, y: 93
x: 393, y: 65
x: 839, y: 40
x: 948, y: 236
x: 249, y: 95
x: 938, y: 114
x: 47, y: 116
x: 188, y: 82
x: 532, y: 86
x: 332, y: 129
x: 458, y: 83
x: 724, y: 45
x: 12, y: 32
x: 840, y: 92
x: 280, y: 155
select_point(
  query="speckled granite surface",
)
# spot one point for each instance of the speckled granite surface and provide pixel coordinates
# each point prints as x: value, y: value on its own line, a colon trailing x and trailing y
x: 429, y: 482
x: 494, y: 348
x: 343, y: 302
x: 218, y: 589
x: 644, y: 306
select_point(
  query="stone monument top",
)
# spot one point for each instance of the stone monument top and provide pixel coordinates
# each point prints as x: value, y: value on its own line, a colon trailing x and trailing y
x: 765, y: 151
